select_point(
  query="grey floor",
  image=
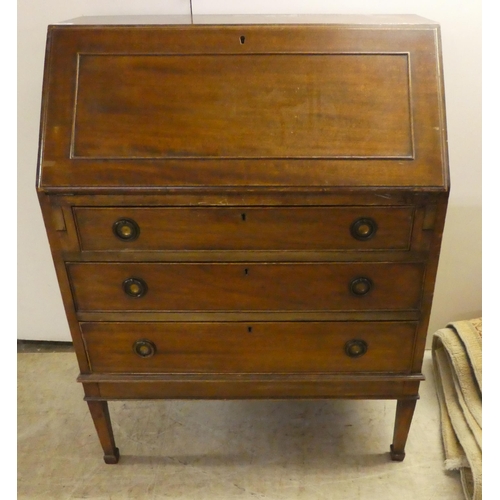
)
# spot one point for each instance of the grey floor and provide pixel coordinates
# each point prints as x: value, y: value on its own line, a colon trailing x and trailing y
x: 220, y: 450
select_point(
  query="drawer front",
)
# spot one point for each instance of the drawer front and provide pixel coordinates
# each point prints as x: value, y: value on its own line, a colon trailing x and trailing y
x: 249, y: 348
x: 244, y: 228
x: 246, y: 286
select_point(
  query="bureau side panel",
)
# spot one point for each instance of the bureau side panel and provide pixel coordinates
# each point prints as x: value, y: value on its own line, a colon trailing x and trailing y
x: 433, y: 226
x: 56, y: 227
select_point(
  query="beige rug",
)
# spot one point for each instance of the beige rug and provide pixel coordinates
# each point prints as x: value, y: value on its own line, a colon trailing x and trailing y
x: 457, y: 359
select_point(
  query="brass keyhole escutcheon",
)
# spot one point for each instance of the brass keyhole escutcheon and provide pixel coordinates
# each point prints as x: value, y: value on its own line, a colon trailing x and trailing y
x: 363, y: 228
x: 355, y: 348
x: 144, y: 348
x: 126, y: 229
x: 135, y: 287
x: 360, y: 286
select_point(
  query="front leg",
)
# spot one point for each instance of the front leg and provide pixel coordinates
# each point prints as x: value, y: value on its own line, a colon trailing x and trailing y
x: 100, y: 414
x: 404, y: 415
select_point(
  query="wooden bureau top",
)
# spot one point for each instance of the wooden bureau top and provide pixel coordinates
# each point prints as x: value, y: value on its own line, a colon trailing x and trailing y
x: 240, y: 19
x: 282, y: 102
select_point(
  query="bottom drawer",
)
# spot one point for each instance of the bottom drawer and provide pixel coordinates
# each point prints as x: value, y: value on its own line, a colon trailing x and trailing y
x: 264, y: 347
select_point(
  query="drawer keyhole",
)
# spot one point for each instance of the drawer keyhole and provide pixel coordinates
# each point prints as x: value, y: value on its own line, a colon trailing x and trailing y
x: 243, y: 216
x: 246, y: 271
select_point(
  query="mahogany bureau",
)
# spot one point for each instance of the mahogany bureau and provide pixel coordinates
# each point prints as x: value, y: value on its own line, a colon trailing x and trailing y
x: 245, y: 208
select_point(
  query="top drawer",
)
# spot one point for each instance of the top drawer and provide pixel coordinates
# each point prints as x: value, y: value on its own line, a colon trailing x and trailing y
x: 244, y: 228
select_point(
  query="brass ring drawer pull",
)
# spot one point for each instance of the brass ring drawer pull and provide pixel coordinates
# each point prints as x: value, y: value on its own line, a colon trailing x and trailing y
x: 363, y: 228
x: 360, y: 286
x: 135, y: 287
x: 144, y: 348
x: 355, y: 348
x: 126, y: 229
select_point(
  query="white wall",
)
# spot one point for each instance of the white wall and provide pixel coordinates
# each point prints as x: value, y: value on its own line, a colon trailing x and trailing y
x: 458, y: 288
x: 40, y: 310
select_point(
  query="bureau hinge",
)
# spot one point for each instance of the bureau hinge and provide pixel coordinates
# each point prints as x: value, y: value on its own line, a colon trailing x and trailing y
x: 429, y: 217
x: 58, y: 218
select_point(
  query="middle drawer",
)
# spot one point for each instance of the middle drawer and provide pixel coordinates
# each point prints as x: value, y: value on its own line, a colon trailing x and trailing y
x: 246, y: 286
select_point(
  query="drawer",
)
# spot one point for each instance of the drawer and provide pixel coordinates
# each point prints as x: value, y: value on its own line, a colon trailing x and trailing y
x: 244, y: 228
x: 246, y: 286
x: 249, y: 348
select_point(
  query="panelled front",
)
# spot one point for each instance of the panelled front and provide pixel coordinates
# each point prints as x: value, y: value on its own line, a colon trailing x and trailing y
x: 267, y: 116
x: 295, y: 106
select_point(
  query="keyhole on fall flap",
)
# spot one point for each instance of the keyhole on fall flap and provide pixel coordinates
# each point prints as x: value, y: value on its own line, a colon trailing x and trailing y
x: 242, y: 39
x: 249, y: 329
x: 243, y: 216
x: 246, y: 271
